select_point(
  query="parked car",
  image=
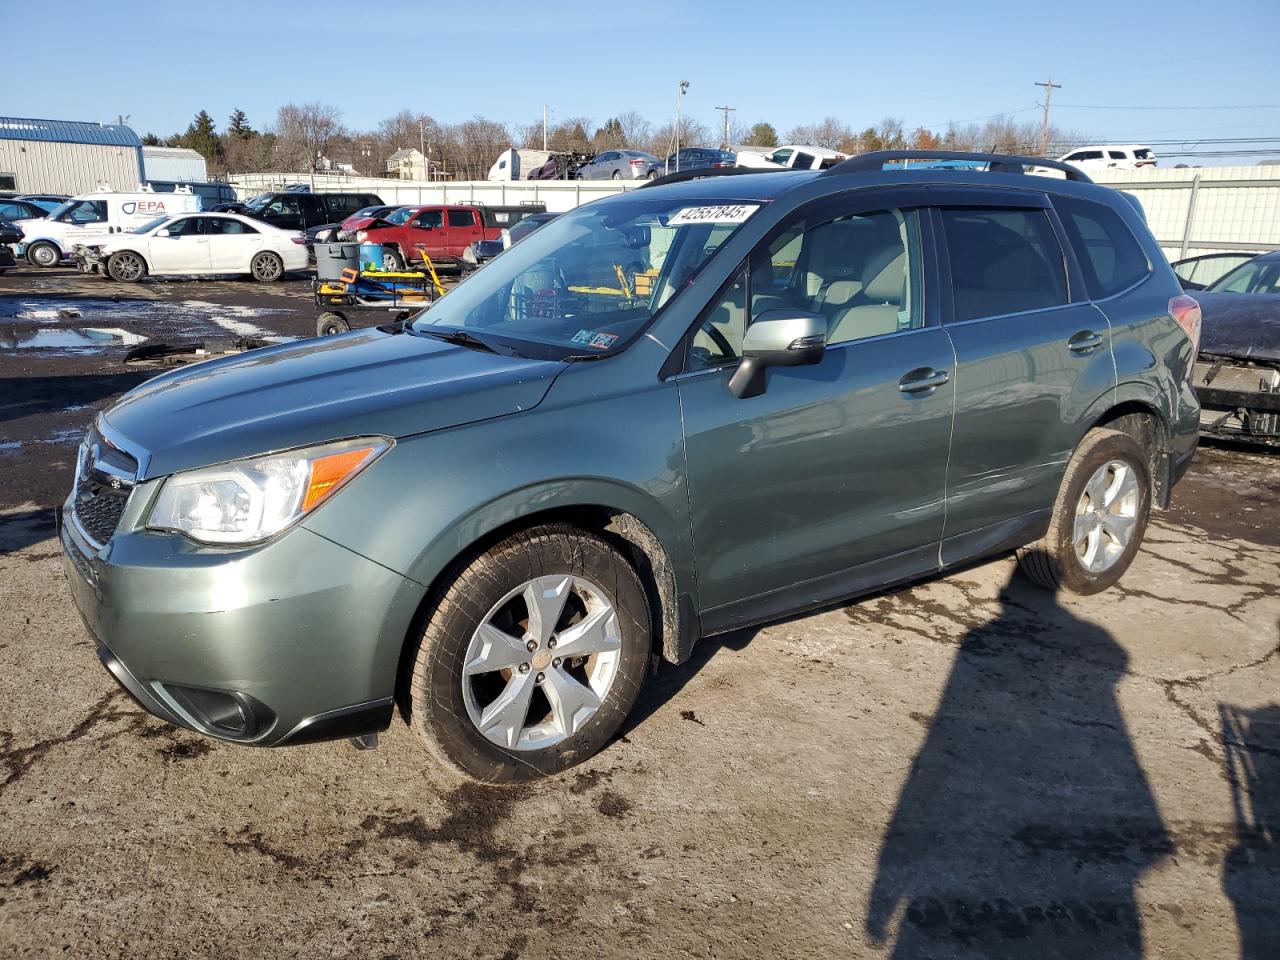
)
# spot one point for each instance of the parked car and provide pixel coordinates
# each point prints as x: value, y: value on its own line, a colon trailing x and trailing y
x: 444, y: 231
x: 1128, y: 156
x: 560, y: 166
x: 94, y: 217
x: 621, y: 165
x: 299, y: 211
x: 10, y: 234
x: 481, y: 252
x: 46, y: 200
x: 793, y: 389
x: 699, y: 158
x: 1196, y: 273
x: 19, y: 210
x: 1237, y: 376
x: 793, y: 157
x: 207, y: 243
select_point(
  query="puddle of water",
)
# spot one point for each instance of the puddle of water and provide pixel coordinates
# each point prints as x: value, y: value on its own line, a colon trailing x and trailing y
x: 10, y: 445
x: 79, y: 339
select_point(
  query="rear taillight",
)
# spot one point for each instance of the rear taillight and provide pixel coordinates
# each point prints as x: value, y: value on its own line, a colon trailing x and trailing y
x: 300, y: 241
x: 1186, y: 311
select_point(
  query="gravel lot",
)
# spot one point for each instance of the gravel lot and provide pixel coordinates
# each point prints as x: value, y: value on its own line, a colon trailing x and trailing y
x: 965, y: 768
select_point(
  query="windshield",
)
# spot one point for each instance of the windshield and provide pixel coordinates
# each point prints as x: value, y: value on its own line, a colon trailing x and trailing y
x: 57, y: 212
x: 591, y: 280
x: 397, y: 217
x: 1256, y: 276
x: 258, y: 202
x: 151, y: 225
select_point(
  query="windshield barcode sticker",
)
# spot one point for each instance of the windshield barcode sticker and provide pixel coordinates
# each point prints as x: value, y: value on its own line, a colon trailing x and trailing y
x: 729, y: 213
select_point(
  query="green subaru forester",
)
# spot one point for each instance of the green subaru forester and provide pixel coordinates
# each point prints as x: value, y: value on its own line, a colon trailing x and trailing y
x: 704, y: 404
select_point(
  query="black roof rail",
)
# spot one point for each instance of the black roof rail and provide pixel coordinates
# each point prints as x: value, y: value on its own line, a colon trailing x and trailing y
x: 996, y: 162
x: 700, y: 172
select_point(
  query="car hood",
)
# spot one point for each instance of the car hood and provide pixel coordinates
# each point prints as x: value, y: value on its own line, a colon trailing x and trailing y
x: 359, y: 384
x: 1243, y: 325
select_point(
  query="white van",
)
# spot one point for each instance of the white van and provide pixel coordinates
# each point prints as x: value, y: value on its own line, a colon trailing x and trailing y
x: 92, y: 217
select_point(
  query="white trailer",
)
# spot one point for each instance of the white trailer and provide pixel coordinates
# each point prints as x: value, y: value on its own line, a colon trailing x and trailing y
x: 517, y: 164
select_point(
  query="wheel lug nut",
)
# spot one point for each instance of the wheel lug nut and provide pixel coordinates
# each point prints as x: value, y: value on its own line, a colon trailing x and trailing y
x: 531, y: 646
x: 541, y: 677
x: 524, y: 668
x: 552, y: 643
x: 555, y: 662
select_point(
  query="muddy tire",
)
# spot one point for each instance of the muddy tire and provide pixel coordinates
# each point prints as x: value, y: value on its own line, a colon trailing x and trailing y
x: 1099, y: 518
x: 531, y: 658
x: 266, y: 267
x: 126, y: 267
x: 43, y: 254
x: 331, y: 324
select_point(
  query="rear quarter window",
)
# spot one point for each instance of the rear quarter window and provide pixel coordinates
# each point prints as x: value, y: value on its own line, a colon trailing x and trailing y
x: 1109, y: 254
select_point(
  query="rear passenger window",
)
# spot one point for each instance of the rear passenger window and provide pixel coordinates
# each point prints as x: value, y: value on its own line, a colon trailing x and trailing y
x: 1108, y: 251
x: 461, y: 218
x: 1003, y: 261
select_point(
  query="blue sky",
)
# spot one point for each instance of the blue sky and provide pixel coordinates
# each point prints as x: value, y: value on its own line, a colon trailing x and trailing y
x: 1130, y: 71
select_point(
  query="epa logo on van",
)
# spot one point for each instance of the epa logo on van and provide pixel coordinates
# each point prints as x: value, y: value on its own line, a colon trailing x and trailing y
x: 142, y: 207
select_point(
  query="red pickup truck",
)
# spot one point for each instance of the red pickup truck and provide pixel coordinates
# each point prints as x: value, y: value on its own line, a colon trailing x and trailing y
x: 444, y: 230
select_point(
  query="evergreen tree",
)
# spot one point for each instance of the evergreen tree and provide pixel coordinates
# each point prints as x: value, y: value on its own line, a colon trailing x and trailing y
x: 202, y: 137
x: 238, y: 125
x: 763, y: 135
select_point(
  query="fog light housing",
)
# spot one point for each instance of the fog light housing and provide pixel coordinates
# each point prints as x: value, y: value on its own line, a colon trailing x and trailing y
x: 222, y: 713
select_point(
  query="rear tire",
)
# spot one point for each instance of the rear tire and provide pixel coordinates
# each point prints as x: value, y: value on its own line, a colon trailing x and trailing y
x: 1099, y: 518
x: 331, y: 324
x: 266, y: 267
x: 126, y: 267
x: 574, y: 704
x: 43, y: 254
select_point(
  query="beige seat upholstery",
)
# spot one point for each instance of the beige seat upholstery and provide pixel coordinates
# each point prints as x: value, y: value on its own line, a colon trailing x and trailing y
x: 884, y: 290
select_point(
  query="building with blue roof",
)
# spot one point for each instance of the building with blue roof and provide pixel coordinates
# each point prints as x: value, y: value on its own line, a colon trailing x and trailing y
x: 68, y: 157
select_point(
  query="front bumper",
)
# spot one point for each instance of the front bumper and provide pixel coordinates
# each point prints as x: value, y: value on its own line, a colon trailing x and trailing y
x: 301, y: 635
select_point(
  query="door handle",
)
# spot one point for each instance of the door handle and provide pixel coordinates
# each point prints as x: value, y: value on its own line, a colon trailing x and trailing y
x: 1084, y: 342
x: 922, y: 380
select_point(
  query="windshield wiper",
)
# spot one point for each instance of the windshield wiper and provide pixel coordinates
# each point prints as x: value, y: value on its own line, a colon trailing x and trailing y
x: 463, y: 339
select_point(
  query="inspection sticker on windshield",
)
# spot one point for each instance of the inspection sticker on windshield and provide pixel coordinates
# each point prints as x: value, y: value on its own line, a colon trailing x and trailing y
x: 726, y: 213
x: 597, y: 341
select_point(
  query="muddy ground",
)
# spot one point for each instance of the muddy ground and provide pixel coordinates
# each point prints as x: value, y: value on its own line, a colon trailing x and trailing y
x: 965, y: 768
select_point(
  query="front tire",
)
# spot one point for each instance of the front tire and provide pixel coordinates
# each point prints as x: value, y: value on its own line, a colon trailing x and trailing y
x: 532, y: 656
x: 1099, y: 518
x: 126, y: 267
x: 617, y: 175
x: 266, y: 267
x: 392, y: 262
x: 43, y: 254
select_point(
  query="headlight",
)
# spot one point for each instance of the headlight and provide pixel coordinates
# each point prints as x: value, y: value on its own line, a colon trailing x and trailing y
x: 247, y: 501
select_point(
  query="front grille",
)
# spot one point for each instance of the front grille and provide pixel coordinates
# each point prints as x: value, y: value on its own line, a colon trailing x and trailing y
x: 105, y: 476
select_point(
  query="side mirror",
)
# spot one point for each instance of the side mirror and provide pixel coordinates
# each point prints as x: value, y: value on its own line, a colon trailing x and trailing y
x: 162, y: 232
x: 778, y: 338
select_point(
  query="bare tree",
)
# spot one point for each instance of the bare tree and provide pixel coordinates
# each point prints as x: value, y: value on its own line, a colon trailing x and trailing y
x: 636, y: 130
x: 303, y: 133
x: 692, y: 134
x: 830, y: 133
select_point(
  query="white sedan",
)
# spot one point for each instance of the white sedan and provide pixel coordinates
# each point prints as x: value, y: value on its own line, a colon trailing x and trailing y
x: 198, y: 243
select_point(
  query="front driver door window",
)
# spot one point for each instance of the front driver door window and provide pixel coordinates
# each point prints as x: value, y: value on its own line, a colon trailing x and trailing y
x: 836, y: 466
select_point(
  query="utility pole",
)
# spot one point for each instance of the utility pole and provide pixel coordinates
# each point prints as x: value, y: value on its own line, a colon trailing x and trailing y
x: 544, y: 127
x: 422, y: 148
x: 681, y: 90
x: 1049, y: 87
x: 724, y: 143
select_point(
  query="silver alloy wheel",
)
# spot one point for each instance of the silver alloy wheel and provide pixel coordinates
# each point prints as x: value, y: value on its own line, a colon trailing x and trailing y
x: 1106, y: 516
x: 128, y: 267
x: 45, y: 255
x: 554, y: 644
x: 267, y: 266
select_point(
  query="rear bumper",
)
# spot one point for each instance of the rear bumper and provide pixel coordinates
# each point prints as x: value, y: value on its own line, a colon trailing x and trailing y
x: 299, y: 638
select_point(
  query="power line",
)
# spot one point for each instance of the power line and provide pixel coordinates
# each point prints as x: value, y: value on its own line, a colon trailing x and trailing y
x: 1237, y: 106
x: 726, y: 111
